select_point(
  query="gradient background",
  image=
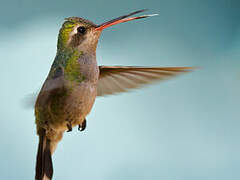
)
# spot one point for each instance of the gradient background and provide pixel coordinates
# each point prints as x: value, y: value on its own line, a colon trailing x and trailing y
x: 182, y: 129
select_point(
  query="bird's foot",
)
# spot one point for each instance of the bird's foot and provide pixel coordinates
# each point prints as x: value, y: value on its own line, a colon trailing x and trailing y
x: 69, y: 126
x: 82, y: 127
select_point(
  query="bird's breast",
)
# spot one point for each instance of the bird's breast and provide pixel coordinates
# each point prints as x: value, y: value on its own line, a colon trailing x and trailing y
x: 70, y: 97
x: 80, y: 101
x: 89, y: 68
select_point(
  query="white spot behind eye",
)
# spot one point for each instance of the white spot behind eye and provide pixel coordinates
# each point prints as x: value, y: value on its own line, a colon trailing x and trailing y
x: 75, y: 30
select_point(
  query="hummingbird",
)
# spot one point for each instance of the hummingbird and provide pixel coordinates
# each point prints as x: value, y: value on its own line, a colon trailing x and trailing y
x: 75, y: 80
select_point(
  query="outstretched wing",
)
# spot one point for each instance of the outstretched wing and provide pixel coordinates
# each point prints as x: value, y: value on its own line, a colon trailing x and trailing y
x: 116, y: 79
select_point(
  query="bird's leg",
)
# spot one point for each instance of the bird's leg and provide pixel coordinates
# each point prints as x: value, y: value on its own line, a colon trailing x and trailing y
x: 82, y: 127
x: 69, y: 126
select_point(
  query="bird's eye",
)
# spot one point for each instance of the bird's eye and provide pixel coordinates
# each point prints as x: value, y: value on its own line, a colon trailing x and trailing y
x: 81, y: 29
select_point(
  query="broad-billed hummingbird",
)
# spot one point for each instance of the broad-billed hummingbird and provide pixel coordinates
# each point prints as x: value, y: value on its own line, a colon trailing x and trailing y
x: 75, y: 80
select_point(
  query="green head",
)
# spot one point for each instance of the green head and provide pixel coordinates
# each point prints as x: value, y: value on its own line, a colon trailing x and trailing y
x: 78, y: 33
x: 81, y: 34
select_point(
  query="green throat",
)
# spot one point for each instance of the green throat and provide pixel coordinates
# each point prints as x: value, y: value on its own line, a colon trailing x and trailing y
x: 68, y: 61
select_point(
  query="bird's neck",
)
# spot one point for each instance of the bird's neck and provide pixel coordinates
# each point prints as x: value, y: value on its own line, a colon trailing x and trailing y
x: 73, y: 62
x: 66, y: 56
x: 71, y: 55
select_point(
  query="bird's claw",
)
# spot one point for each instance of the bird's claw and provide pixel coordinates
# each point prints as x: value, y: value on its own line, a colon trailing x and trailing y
x: 82, y: 127
x: 69, y: 126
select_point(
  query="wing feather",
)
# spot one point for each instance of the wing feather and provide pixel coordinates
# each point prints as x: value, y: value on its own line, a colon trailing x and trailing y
x: 116, y: 79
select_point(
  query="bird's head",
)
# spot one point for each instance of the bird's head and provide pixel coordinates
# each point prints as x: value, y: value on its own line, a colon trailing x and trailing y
x: 83, y: 35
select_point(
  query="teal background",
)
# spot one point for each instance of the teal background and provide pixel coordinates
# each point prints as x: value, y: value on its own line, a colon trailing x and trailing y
x: 182, y: 129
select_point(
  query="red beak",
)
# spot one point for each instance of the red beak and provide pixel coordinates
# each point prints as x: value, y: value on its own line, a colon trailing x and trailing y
x: 122, y: 19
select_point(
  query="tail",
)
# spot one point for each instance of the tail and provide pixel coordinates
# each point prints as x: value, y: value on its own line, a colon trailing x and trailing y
x: 44, y: 166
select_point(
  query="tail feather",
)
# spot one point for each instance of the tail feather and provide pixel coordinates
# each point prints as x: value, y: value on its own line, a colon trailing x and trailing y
x: 39, y: 166
x: 47, y: 165
x: 44, y: 166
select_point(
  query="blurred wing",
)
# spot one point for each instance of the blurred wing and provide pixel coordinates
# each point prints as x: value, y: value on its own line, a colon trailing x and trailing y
x: 116, y: 79
x: 28, y: 101
x: 54, y: 82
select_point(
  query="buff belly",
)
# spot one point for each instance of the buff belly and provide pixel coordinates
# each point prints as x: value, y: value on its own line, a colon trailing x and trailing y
x: 76, y: 105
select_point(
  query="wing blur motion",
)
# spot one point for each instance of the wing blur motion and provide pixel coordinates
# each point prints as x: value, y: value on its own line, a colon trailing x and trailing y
x: 116, y: 79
